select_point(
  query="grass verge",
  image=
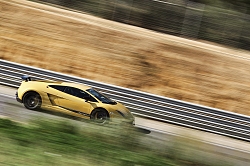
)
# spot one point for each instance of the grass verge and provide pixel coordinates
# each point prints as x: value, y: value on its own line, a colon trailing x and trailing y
x: 46, y: 142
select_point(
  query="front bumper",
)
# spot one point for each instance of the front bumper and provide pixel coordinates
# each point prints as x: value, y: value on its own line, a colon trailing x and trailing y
x: 17, y: 98
x: 129, y: 121
x: 121, y: 120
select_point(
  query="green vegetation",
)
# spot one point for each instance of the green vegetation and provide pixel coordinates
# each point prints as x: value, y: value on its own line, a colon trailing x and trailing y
x: 220, y: 21
x: 68, y: 143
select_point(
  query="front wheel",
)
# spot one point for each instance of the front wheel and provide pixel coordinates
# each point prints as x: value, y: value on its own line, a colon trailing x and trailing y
x: 32, y: 100
x: 100, y: 116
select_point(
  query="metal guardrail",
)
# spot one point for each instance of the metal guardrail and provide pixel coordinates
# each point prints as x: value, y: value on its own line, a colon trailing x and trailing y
x: 144, y: 104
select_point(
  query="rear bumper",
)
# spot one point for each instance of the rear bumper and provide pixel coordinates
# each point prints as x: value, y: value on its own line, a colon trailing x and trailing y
x: 17, y: 98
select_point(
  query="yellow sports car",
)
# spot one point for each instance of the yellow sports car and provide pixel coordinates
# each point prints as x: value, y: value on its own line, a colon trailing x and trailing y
x: 70, y: 98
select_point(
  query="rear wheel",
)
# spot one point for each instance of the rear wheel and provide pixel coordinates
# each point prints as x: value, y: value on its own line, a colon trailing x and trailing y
x: 32, y: 100
x: 100, y: 116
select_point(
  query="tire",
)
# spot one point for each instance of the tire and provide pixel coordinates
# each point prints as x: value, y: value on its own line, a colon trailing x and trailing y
x: 100, y: 116
x: 32, y: 100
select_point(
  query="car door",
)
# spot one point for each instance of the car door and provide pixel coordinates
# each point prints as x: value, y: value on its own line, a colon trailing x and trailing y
x: 52, y: 92
x: 73, y: 100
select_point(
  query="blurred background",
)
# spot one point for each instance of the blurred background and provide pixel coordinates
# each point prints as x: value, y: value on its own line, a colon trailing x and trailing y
x: 222, y: 21
x: 195, y: 51
x: 154, y: 55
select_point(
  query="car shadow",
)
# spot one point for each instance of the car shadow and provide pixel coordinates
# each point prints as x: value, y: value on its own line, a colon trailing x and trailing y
x: 142, y: 130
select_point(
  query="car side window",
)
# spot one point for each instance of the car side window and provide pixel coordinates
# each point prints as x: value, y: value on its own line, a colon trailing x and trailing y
x: 58, y: 87
x: 82, y: 94
x: 76, y: 92
x: 72, y: 91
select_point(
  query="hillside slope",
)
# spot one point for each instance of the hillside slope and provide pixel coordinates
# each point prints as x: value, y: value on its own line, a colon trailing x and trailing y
x: 132, y: 57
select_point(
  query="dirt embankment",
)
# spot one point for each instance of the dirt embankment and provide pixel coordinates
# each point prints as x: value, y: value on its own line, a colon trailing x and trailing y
x: 93, y: 48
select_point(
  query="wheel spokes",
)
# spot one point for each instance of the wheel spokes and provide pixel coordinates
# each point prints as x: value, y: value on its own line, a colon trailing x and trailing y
x: 32, y: 101
x: 101, y: 117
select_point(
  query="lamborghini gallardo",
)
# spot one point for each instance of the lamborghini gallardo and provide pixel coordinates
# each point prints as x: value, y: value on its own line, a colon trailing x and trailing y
x: 70, y: 98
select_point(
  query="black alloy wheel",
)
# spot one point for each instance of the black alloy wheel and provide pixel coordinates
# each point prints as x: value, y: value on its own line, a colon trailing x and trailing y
x: 32, y: 100
x: 100, y: 116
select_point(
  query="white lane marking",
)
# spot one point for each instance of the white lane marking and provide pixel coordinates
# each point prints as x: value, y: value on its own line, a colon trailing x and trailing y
x: 3, y: 117
x: 207, y: 142
x: 9, y: 96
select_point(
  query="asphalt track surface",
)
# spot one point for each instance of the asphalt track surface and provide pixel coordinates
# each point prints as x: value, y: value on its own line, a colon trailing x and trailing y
x: 234, y: 151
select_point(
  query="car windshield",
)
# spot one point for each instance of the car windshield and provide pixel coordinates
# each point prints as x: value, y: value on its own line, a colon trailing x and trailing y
x: 101, y: 97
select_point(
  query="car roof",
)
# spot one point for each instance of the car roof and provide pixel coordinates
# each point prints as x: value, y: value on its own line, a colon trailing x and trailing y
x: 71, y: 84
x: 75, y: 85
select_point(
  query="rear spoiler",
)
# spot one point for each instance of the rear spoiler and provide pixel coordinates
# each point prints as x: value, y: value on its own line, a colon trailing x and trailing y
x: 26, y: 78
